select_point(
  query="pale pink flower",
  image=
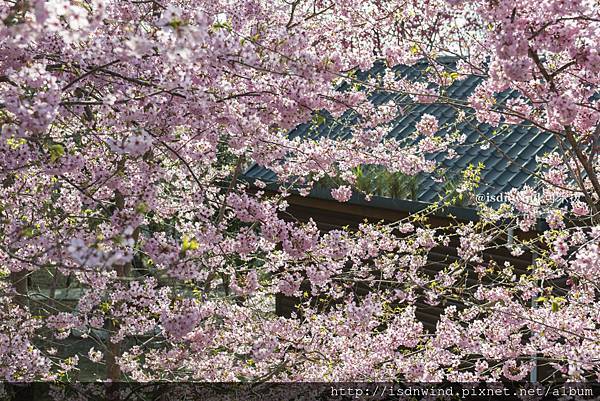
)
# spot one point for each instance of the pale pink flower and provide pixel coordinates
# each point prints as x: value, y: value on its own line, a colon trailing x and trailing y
x: 342, y: 194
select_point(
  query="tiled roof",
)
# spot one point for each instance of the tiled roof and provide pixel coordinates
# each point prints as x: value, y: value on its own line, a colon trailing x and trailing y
x: 509, y: 161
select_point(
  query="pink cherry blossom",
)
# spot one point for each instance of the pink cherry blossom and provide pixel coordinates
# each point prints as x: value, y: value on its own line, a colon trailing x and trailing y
x: 126, y: 129
x: 342, y: 193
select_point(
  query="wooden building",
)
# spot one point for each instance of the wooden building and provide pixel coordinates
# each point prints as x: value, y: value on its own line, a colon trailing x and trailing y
x: 506, y: 155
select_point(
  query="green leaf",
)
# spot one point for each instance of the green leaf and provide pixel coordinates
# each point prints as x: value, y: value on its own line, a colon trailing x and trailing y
x: 142, y: 208
x: 175, y: 23
x: 189, y: 244
x: 56, y: 152
x: 319, y: 119
x: 105, y: 306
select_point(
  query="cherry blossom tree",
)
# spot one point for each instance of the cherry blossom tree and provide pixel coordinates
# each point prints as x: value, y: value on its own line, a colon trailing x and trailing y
x: 126, y: 127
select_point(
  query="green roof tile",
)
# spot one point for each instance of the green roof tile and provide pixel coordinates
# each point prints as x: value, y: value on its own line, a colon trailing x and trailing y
x: 520, y: 144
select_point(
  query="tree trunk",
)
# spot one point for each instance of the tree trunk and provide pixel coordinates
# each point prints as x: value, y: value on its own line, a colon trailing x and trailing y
x: 19, y: 282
